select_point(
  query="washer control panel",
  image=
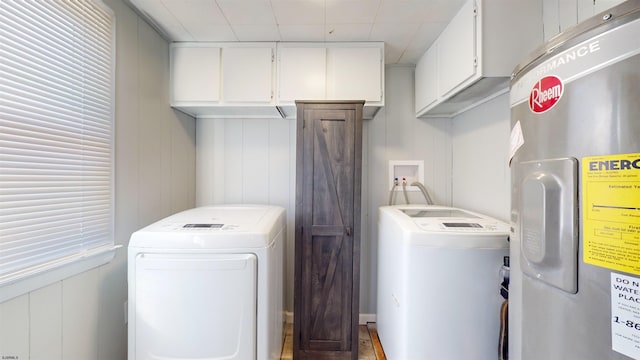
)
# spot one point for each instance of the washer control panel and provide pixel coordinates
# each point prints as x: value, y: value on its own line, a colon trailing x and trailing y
x: 459, y: 225
x: 202, y: 226
x: 198, y: 227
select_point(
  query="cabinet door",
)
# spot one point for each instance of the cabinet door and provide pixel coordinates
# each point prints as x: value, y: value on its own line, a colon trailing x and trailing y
x: 195, y: 74
x: 301, y: 73
x: 327, y: 236
x: 427, y: 78
x: 457, y: 50
x: 354, y: 74
x: 247, y: 74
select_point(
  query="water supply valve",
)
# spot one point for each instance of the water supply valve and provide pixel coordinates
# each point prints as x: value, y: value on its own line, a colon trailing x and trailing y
x: 504, y: 274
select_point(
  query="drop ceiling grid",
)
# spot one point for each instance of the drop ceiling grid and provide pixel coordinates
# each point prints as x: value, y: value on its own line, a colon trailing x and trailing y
x: 406, y: 26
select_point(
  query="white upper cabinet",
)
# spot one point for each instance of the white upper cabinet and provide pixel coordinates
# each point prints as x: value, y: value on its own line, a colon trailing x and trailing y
x: 330, y: 71
x: 302, y: 73
x: 195, y: 74
x: 354, y: 74
x: 247, y: 74
x: 457, y: 49
x: 474, y: 56
x: 427, y: 78
x: 239, y: 80
x: 227, y: 80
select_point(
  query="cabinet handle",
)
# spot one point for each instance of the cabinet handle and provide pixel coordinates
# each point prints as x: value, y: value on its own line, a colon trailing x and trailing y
x: 348, y: 231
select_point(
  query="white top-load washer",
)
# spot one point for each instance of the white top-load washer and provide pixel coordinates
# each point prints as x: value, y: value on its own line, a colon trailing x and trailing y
x: 438, y: 282
x: 207, y: 283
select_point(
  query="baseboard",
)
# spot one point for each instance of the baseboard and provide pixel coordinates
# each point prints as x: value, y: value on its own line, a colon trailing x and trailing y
x: 363, y: 319
x: 288, y: 317
x: 367, y: 318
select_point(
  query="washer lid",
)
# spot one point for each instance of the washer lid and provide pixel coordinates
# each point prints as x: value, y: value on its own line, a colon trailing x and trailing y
x: 437, y: 212
x: 215, y: 227
x: 441, y: 226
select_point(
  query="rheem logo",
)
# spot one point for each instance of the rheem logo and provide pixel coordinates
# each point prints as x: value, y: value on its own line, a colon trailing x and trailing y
x: 545, y: 94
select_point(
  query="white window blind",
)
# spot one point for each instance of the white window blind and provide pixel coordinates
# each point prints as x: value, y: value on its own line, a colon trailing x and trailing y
x: 56, y: 139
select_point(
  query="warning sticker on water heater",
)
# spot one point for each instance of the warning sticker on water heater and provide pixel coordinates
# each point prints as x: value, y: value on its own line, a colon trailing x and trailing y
x: 625, y: 315
x: 611, y: 211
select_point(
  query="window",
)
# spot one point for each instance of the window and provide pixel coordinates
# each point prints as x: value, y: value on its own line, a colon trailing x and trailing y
x: 56, y: 140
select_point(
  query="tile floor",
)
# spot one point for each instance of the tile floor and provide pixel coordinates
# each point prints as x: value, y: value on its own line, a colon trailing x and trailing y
x: 366, y: 346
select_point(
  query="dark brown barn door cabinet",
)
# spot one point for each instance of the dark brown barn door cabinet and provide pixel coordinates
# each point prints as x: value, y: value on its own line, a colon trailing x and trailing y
x: 327, y: 243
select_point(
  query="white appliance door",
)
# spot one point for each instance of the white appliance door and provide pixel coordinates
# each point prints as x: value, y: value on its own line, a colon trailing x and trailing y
x: 195, y: 306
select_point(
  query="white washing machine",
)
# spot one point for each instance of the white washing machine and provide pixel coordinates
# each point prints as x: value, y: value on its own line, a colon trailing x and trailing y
x: 438, y: 282
x: 207, y: 283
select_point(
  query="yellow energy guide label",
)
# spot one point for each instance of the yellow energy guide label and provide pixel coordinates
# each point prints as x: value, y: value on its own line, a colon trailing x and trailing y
x: 611, y: 211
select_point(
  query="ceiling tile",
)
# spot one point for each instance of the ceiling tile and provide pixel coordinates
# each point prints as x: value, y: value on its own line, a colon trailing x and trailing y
x: 196, y: 11
x: 409, y: 56
x: 247, y: 12
x: 212, y: 33
x: 351, y: 12
x: 425, y: 36
x: 443, y: 10
x: 301, y: 32
x: 398, y: 33
x: 407, y: 27
x: 347, y: 32
x: 257, y: 32
x: 404, y: 11
x: 162, y: 19
x: 202, y: 19
x: 306, y: 12
x: 396, y: 38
